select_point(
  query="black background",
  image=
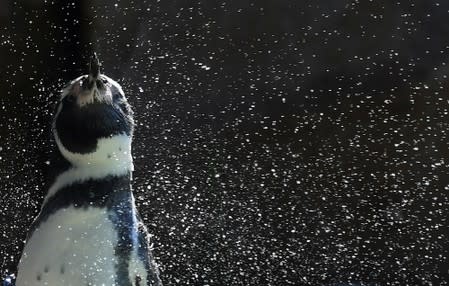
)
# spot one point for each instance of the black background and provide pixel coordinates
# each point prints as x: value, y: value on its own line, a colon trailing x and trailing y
x: 278, y: 142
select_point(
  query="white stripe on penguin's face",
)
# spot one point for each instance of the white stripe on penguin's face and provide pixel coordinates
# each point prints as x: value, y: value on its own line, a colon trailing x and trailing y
x: 66, y: 90
x: 114, y: 150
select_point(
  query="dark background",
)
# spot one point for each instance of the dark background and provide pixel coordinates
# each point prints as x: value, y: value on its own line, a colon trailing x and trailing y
x: 278, y: 142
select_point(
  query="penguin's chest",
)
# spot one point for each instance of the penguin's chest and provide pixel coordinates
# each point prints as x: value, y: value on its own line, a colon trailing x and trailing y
x: 74, y: 246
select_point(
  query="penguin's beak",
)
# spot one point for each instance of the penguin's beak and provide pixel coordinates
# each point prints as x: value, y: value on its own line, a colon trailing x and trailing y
x: 94, y: 72
x: 94, y: 67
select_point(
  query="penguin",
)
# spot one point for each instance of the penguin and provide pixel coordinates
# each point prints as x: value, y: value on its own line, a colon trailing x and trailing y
x: 88, y: 231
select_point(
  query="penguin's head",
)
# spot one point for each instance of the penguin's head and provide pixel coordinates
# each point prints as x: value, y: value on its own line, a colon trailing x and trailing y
x: 93, y: 123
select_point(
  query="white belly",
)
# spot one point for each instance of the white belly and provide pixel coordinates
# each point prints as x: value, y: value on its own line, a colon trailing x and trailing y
x: 73, y: 247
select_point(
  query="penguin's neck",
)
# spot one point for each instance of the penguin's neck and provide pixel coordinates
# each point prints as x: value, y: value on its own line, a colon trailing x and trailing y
x: 94, y: 178
x: 112, y: 193
x: 98, y: 192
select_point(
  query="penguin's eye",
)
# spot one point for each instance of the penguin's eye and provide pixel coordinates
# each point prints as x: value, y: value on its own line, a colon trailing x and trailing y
x: 69, y: 98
